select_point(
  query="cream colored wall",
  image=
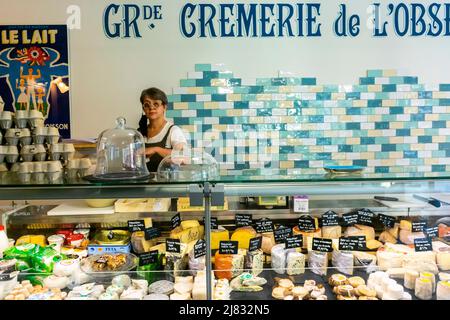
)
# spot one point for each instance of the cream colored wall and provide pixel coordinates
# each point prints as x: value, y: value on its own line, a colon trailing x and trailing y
x: 107, y: 75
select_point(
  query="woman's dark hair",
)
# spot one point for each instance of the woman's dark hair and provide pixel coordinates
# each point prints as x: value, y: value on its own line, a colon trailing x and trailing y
x: 154, y: 94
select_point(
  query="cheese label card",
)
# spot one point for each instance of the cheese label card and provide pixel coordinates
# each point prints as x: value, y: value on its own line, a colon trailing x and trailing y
x: 423, y: 244
x: 330, y: 219
x: 282, y: 233
x: 293, y: 242
x: 151, y: 233
x: 301, y: 204
x: 366, y: 217
x: 228, y: 247
x: 355, y: 243
x: 200, y: 249
x: 306, y: 223
x: 387, y: 221
x: 173, y: 245
x: 350, y: 218
x: 322, y: 245
x: 419, y: 226
x: 264, y: 225
x: 255, y: 244
x: 176, y: 221
x: 431, y: 232
x: 243, y: 220
x: 214, y: 224
x: 148, y: 258
x: 136, y: 225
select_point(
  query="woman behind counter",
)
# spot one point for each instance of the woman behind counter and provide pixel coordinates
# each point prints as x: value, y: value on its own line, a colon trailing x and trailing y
x: 161, y: 136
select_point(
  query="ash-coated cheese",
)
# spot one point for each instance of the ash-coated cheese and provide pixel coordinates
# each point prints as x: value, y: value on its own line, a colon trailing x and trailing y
x: 318, y: 262
x: 343, y: 261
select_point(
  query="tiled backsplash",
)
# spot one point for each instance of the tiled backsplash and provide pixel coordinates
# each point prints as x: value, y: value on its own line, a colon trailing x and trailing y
x: 386, y: 122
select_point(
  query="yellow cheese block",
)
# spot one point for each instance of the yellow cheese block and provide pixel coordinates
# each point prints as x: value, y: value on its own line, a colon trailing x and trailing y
x: 218, y: 235
x: 188, y: 235
x: 189, y: 224
x: 39, y: 240
x: 160, y: 247
x: 243, y: 236
x: 373, y: 244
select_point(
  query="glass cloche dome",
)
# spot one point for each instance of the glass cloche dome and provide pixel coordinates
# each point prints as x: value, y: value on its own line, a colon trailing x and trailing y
x: 120, y: 154
x: 188, y: 165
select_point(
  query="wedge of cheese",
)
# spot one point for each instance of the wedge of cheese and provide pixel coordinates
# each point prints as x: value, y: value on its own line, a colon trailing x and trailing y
x: 217, y: 235
x: 188, y: 235
x: 360, y: 230
x: 332, y: 232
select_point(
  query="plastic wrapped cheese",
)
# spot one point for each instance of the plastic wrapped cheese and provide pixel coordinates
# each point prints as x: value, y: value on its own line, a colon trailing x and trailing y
x: 443, y: 290
x: 318, y: 262
x: 243, y: 236
x: 295, y: 263
x: 343, y: 261
x: 254, y: 262
x: 424, y: 289
x: 66, y: 267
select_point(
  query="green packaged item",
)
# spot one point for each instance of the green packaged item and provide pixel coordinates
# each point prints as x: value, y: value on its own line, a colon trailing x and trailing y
x: 23, y: 252
x: 44, y: 260
x: 36, y: 280
x: 149, y: 262
x: 22, y: 265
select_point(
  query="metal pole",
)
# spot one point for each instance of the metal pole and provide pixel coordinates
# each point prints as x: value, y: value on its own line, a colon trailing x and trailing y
x: 208, y: 240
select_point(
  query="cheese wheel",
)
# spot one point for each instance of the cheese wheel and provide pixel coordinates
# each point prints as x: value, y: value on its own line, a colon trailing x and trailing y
x: 187, y: 235
x: 360, y: 230
x: 199, y: 293
x: 187, y: 279
x: 187, y: 224
x: 443, y: 290
x: 395, y: 291
x: 331, y: 232
x: 217, y: 235
x: 386, y: 283
x: 177, y: 296
x: 443, y: 276
x: 388, y: 259
x: 243, y: 236
x: 223, y: 264
x: 307, y: 236
x: 161, y: 287
x: 424, y: 289
x: 443, y: 260
x: 396, y: 273
x: 376, y: 278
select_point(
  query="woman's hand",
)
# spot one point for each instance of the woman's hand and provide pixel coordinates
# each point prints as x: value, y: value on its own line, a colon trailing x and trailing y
x: 150, y: 151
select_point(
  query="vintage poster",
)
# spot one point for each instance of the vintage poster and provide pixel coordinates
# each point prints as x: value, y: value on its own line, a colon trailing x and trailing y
x: 34, y: 72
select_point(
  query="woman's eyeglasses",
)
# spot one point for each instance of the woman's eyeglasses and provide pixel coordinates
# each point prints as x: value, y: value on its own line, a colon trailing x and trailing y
x: 149, y: 106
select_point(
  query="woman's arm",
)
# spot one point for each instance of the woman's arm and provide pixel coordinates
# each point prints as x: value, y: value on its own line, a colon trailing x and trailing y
x: 161, y: 151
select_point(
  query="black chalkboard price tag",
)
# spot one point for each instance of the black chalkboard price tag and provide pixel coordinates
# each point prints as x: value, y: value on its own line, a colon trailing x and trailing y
x: 173, y: 245
x: 366, y: 217
x: 243, y: 220
x: 281, y: 234
x: 352, y: 243
x: 228, y: 247
x: 151, y: 233
x: 306, y: 223
x: 136, y: 225
x: 423, y: 244
x: 293, y: 242
x: 419, y: 226
x: 350, y: 219
x: 214, y: 223
x: 255, y: 244
x: 431, y: 232
x: 387, y: 221
x: 322, y: 245
x: 264, y: 225
x: 176, y: 221
x: 148, y: 258
x: 200, y: 249
x: 330, y: 219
